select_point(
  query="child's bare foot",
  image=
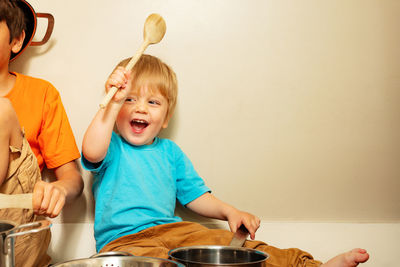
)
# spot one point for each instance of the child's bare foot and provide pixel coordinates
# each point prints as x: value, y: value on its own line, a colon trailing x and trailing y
x: 348, y: 259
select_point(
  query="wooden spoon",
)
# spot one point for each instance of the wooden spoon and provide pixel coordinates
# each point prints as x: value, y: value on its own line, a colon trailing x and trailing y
x: 239, y: 237
x: 21, y: 201
x: 153, y: 32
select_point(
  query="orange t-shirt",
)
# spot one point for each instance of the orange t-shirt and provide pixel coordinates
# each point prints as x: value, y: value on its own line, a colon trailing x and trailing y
x: 41, y: 113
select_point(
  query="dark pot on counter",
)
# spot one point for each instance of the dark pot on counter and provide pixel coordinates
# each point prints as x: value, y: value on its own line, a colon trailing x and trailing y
x: 210, y: 256
x: 8, y: 231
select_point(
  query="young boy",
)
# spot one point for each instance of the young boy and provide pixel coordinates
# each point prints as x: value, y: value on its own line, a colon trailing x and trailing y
x: 138, y: 177
x: 34, y: 132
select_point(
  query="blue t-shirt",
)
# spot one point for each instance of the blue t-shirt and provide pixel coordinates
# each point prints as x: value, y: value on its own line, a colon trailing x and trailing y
x: 136, y: 187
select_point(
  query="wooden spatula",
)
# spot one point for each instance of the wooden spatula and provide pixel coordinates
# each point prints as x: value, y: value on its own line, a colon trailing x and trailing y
x: 22, y: 201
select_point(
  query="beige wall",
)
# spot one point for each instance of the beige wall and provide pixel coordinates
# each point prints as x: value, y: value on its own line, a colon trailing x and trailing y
x: 288, y: 109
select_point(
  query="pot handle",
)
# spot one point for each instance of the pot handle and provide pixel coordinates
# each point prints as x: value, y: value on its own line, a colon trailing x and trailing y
x: 41, y: 225
x: 111, y: 253
x: 50, y: 26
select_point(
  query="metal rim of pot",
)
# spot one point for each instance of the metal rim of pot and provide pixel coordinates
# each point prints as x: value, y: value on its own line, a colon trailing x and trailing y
x: 182, y: 254
x: 110, y: 254
x: 114, y: 257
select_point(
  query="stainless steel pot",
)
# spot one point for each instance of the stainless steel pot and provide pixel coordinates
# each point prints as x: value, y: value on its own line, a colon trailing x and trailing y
x: 116, y: 260
x: 200, y: 256
x: 8, y: 231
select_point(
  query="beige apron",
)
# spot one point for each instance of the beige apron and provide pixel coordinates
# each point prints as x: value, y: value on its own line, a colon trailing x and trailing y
x: 23, y: 173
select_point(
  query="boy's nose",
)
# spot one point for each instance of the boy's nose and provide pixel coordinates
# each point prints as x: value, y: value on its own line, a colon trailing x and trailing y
x: 140, y: 107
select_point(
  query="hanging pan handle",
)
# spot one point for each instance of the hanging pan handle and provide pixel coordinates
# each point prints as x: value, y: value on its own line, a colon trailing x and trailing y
x: 40, y: 226
x: 49, y: 31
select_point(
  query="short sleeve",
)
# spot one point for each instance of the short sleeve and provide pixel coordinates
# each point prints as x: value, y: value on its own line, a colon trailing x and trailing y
x: 56, y: 138
x: 99, y: 167
x: 189, y: 184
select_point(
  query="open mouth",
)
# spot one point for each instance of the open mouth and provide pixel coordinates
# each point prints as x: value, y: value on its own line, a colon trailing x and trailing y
x: 139, y: 125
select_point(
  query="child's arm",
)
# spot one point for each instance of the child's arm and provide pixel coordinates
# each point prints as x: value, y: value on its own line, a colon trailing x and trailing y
x: 209, y: 206
x: 98, y: 135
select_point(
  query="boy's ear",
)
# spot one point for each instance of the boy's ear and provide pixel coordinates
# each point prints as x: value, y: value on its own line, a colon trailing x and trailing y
x: 165, y: 124
x: 17, y: 43
x: 166, y: 121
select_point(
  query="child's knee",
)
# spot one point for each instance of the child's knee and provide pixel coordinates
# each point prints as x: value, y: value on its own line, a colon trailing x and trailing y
x: 9, y: 123
x: 5, y: 103
x: 7, y: 112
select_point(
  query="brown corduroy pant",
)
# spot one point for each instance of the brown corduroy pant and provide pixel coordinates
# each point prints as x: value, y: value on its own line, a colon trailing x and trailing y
x: 158, y: 240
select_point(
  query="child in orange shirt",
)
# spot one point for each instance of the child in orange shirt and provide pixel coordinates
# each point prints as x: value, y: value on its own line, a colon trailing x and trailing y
x: 34, y: 132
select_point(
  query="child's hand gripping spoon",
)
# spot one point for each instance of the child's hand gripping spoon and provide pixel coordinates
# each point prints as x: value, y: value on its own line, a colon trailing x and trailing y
x: 153, y: 32
x: 239, y: 237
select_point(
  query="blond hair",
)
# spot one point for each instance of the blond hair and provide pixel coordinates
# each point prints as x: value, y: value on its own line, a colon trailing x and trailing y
x: 151, y: 72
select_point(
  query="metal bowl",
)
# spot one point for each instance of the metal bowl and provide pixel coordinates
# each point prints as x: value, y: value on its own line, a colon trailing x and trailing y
x: 120, y: 261
x: 196, y: 256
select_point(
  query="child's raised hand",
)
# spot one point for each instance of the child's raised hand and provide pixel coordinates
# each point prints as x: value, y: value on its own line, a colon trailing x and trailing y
x: 250, y: 221
x: 120, y: 79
